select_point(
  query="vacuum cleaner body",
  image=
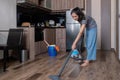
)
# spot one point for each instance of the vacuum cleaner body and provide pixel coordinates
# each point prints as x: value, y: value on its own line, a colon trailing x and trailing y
x: 76, y: 54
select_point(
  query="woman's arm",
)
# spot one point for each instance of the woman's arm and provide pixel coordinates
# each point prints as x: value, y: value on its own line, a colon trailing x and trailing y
x: 78, y: 36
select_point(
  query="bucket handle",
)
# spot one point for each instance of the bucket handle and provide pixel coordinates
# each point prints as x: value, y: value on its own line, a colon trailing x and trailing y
x: 46, y: 43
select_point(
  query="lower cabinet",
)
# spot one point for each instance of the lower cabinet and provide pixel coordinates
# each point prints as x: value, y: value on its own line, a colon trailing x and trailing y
x: 61, y: 38
x: 55, y: 36
x: 40, y: 47
x: 49, y: 35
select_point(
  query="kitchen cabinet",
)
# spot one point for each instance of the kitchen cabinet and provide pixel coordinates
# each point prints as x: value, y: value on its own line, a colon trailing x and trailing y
x: 42, y: 3
x: 45, y: 3
x: 61, y: 38
x: 56, y: 36
x: 56, y: 4
x: 33, y: 1
x: 40, y: 47
x: 29, y: 41
x: 48, y: 4
x: 52, y: 36
x: 49, y: 35
x: 66, y: 4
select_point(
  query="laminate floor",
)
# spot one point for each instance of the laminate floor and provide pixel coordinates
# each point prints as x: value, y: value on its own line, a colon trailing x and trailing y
x: 106, y: 67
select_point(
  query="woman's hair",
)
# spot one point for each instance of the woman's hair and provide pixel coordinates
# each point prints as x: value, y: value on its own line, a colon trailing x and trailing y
x: 79, y: 12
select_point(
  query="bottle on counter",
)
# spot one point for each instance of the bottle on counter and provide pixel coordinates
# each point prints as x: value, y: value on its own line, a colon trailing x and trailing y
x: 46, y: 23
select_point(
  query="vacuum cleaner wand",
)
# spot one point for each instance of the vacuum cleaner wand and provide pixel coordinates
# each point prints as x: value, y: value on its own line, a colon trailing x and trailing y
x: 57, y: 77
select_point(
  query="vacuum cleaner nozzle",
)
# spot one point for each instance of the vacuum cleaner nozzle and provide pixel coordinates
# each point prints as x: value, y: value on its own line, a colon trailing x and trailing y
x: 54, y: 77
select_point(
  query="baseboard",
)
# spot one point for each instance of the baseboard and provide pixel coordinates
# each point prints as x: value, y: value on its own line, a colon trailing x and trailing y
x: 116, y: 54
x: 113, y: 50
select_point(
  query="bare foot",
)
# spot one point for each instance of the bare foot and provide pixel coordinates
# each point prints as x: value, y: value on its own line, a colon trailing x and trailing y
x: 86, y: 63
x: 84, y: 60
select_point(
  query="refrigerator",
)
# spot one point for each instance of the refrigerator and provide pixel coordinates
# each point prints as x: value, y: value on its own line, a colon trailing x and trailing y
x: 72, y: 29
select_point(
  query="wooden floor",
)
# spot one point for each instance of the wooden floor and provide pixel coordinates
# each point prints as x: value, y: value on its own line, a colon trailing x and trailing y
x: 105, y: 67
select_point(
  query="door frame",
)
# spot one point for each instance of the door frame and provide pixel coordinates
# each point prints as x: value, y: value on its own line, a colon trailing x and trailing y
x: 117, y: 29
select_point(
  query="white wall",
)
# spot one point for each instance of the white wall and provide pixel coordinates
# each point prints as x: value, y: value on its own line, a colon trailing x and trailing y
x: 113, y: 24
x: 7, y: 14
x: 7, y: 18
x: 96, y: 14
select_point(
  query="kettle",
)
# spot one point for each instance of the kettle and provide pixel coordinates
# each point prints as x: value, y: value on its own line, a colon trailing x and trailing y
x: 51, y: 22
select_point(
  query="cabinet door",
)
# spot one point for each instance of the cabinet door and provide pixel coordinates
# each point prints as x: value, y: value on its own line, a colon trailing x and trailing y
x: 57, y: 4
x: 48, y: 4
x: 53, y: 4
x: 33, y: 1
x: 61, y: 39
x: 70, y: 4
x: 66, y: 4
x: 49, y: 36
x: 81, y: 3
x: 63, y: 4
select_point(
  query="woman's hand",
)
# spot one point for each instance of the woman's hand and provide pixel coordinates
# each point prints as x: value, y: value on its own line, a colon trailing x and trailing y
x: 78, y: 36
x: 73, y: 46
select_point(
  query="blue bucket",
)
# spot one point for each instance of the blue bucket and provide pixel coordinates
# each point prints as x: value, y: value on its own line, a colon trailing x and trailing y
x: 52, y: 51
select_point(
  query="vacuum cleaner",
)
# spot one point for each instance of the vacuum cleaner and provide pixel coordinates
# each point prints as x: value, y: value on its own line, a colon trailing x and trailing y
x: 57, y: 77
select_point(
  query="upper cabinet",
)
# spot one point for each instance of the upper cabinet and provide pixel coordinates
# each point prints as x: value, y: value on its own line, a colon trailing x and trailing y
x: 34, y: 1
x: 45, y: 3
x: 56, y: 5
x: 35, y: 5
x: 66, y: 4
x: 48, y: 4
x: 30, y: 1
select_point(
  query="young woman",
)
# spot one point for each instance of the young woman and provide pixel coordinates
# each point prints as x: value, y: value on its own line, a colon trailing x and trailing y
x: 91, y: 34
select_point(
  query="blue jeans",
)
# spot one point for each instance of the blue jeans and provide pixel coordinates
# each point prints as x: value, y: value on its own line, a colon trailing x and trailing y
x: 91, y: 38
